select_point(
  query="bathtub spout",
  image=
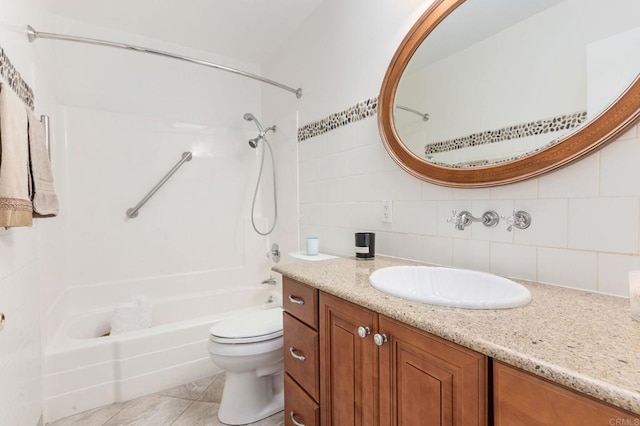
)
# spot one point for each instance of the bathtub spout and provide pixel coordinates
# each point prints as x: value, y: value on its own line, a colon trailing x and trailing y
x: 271, y: 281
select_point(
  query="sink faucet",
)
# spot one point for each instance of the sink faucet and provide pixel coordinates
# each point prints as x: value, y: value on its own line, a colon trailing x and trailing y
x: 464, y: 218
x: 271, y: 281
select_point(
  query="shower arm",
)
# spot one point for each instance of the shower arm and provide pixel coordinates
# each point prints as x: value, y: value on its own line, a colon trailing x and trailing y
x: 33, y: 35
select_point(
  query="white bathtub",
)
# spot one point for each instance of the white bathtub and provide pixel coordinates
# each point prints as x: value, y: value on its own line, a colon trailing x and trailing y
x: 84, y: 370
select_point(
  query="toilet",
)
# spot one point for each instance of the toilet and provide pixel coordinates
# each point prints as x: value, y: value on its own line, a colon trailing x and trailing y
x: 249, y: 348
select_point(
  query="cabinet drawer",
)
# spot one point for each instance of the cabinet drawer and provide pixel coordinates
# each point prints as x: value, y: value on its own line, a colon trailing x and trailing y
x: 301, y: 354
x: 301, y: 301
x: 520, y: 398
x: 298, y: 406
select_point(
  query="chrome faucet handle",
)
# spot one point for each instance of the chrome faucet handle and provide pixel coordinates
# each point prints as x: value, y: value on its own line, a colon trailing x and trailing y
x: 460, y: 220
x: 271, y: 281
x: 519, y: 219
x: 454, y: 217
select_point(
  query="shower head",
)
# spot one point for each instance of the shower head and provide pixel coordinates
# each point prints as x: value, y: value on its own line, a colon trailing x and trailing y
x: 253, y: 143
x: 250, y: 117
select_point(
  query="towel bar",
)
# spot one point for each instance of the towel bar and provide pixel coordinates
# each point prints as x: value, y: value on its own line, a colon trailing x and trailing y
x: 132, y: 213
x: 47, y: 136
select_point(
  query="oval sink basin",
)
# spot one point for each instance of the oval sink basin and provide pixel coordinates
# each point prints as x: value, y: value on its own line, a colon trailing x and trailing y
x: 452, y: 287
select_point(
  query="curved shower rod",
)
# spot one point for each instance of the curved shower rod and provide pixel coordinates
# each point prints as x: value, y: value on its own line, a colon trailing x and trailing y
x: 424, y: 115
x: 33, y: 35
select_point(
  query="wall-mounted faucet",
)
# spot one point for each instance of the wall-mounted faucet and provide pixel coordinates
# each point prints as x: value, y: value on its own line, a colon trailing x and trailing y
x: 464, y: 218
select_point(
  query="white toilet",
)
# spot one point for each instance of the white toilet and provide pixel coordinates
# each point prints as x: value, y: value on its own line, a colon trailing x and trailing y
x: 249, y: 349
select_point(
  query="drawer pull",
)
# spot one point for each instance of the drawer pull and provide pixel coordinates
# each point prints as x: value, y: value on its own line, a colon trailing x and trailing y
x: 293, y: 353
x: 293, y: 419
x: 296, y: 300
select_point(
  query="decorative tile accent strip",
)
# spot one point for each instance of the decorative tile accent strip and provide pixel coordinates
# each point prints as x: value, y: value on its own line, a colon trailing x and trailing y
x: 554, y: 124
x: 355, y: 113
x: 15, y: 81
x: 480, y: 163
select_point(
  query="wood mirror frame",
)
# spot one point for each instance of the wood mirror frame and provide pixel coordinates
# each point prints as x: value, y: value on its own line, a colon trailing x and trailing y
x: 597, y: 132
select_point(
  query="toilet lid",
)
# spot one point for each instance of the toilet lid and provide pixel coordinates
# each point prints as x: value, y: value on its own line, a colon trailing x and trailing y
x: 248, y: 328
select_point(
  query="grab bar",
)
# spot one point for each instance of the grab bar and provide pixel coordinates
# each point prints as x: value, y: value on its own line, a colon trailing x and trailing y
x: 132, y: 213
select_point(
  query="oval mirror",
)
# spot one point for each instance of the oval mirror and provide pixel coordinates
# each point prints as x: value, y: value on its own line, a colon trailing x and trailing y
x: 491, y: 92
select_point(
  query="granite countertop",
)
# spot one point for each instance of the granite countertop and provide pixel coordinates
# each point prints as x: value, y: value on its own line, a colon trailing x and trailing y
x: 585, y: 341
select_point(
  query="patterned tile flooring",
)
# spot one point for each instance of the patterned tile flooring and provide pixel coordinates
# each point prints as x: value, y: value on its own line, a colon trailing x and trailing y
x: 193, y: 404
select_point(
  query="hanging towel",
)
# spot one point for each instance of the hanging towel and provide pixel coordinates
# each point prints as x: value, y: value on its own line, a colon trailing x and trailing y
x: 43, y: 195
x: 15, y: 204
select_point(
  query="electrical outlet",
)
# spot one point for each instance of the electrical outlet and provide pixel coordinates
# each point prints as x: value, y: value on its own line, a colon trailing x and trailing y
x: 387, y: 211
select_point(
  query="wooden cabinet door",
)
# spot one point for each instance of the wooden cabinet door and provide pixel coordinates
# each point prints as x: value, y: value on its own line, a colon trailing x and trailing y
x: 428, y: 381
x: 348, y: 364
x: 522, y: 399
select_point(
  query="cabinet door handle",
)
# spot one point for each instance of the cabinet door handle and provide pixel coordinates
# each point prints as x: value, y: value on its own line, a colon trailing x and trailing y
x: 364, y: 331
x: 2, y: 320
x: 293, y: 419
x: 380, y: 339
x: 296, y: 300
x: 293, y: 353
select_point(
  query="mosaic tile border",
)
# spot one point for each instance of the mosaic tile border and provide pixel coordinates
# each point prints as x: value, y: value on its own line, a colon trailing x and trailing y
x: 471, y: 164
x: 554, y: 124
x: 13, y: 78
x: 361, y: 110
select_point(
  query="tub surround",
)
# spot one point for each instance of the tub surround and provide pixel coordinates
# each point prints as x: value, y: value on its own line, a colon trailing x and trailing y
x: 585, y: 341
x: 84, y: 370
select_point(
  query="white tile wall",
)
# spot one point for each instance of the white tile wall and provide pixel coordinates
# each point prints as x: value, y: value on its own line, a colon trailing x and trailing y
x: 569, y: 268
x: 585, y: 228
x: 604, y: 224
x: 570, y: 226
x: 20, y: 354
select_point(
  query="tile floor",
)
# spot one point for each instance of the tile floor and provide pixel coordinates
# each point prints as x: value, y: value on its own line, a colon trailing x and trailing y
x: 193, y: 404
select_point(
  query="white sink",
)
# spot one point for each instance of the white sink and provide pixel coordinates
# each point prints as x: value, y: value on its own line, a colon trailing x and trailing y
x: 457, y: 288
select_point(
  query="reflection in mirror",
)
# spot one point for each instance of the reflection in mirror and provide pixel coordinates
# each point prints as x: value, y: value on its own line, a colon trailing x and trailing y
x: 499, y: 80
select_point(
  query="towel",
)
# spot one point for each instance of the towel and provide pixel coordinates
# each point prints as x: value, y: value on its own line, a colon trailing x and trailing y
x: 15, y: 204
x: 43, y: 195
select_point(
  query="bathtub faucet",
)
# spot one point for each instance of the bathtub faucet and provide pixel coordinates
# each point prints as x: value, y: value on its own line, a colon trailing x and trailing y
x: 271, y: 281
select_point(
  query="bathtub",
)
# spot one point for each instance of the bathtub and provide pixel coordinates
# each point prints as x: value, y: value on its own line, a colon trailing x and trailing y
x: 84, y: 369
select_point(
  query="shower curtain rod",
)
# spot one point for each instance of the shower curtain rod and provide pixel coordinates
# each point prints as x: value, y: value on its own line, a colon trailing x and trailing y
x: 33, y: 35
x: 424, y: 115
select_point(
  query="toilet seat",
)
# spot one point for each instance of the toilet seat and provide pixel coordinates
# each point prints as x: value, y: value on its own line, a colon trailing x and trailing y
x: 254, y: 327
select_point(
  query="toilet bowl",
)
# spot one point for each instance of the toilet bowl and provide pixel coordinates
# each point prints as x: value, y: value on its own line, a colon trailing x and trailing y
x: 249, y: 349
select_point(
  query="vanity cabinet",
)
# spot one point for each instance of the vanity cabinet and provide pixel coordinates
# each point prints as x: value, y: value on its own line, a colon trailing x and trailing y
x: 348, y: 365
x: 377, y: 371
x: 301, y: 354
x: 523, y: 399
